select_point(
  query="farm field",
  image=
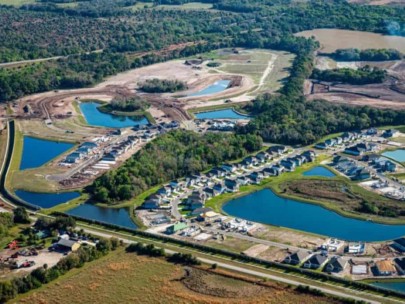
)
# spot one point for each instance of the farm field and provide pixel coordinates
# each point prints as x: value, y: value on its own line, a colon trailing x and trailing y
x: 127, y: 278
x: 333, y: 39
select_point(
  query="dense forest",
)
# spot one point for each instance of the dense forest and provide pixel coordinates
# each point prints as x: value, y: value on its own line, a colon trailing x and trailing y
x: 171, y: 156
x: 46, y: 29
x: 364, y: 75
x: 366, y: 55
x: 156, y: 85
x: 282, y: 120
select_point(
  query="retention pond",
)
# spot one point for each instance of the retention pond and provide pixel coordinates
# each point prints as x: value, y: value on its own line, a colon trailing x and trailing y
x: 95, y: 117
x: 268, y: 208
x: 216, y: 87
x: 397, y: 155
x: 113, y: 216
x: 37, y: 152
x: 221, y: 114
x: 46, y: 200
x: 319, y: 171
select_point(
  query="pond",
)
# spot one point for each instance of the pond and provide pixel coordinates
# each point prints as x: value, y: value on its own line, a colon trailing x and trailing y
x: 221, y: 114
x: 218, y: 86
x: 95, y: 117
x: 397, y: 155
x: 115, y: 216
x: 319, y: 171
x: 36, y: 152
x: 266, y: 207
x: 46, y: 200
x: 396, y: 286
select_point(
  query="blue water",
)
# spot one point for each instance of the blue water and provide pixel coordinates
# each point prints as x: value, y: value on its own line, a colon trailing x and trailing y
x: 266, y: 207
x: 220, y: 114
x: 217, y: 87
x: 396, y: 286
x: 46, y: 200
x: 94, y: 117
x: 116, y: 216
x: 319, y: 171
x: 398, y: 155
x: 37, y: 152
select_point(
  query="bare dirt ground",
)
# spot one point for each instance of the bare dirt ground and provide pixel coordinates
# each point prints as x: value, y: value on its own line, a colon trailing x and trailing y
x: 389, y: 94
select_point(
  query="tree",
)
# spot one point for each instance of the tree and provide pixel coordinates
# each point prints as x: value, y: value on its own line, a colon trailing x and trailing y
x: 21, y: 215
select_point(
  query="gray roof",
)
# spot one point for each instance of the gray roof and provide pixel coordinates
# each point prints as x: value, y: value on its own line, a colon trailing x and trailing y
x: 299, y: 255
x: 66, y: 243
x: 337, y: 262
x: 318, y: 259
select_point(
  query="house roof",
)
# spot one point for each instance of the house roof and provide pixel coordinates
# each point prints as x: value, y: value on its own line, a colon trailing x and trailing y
x: 299, y: 255
x: 66, y: 243
x: 337, y: 262
x: 318, y: 259
x: 400, y: 241
x: 385, y: 266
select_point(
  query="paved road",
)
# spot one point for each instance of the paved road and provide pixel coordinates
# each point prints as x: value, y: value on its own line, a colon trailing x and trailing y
x: 260, y: 272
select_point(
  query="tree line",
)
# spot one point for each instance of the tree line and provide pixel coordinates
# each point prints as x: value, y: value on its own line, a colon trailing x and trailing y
x: 365, y: 55
x: 361, y: 76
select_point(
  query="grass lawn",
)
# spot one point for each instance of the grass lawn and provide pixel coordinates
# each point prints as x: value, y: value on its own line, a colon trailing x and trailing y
x: 127, y: 278
x: 187, y: 6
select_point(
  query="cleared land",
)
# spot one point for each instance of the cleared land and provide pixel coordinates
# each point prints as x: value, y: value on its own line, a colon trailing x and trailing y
x: 128, y: 278
x: 333, y: 39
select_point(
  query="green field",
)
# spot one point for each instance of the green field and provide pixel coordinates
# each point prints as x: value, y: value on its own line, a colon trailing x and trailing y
x: 16, y: 2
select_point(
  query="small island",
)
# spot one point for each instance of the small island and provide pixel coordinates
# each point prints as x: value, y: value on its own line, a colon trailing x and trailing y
x: 156, y: 85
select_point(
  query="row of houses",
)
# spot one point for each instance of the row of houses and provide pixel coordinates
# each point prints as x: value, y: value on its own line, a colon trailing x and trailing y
x: 361, y: 148
x: 350, y: 168
x: 225, y: 178
x: 82, y: 151
x: 344, y: 138
x: 120, y: 148
x: 315, y: 261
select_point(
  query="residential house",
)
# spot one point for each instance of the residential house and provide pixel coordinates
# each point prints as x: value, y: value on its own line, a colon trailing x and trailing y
x: 256, y: 177
x: 89, y: 144
x: 152, y: 202
x: 232, y: 185
x: 354, y: 150
x: 385, y: 268
x: 242, y: 180
x: 176, y: 227
x: 249, y: 161
x: 309, y: 155
x: 330, y: 142
x: 109, y: 157
x: 316, y: 261
x: 296, y: 258
x: 74, y: 157
x: 217, y: 172
x: 229, y: 168
x: 400, y: 263
x: 371, y: 131
x: 220, y: 188
x: 199, y: 211
x: 211, y: 192
x: 399, y: 244
x: 336, y: 264
x: 390, y: 133
x: 288, y: 164
x: 277, y: 150
x: 385, y: 165
x: 177, y: 185
x: 165, y: 191
x: 339, y: 140
x: 196, y: 200
x: 361, y: 174
x: 277, y: 170
x: 371, y: 158
x: 262, y: 157
x: 321, y: 146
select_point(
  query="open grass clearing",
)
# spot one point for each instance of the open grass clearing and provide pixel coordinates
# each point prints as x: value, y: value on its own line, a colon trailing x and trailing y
x: 16, y: 2
x: 333, y: 39
x: 127, y: 278
x: 187, y: 6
